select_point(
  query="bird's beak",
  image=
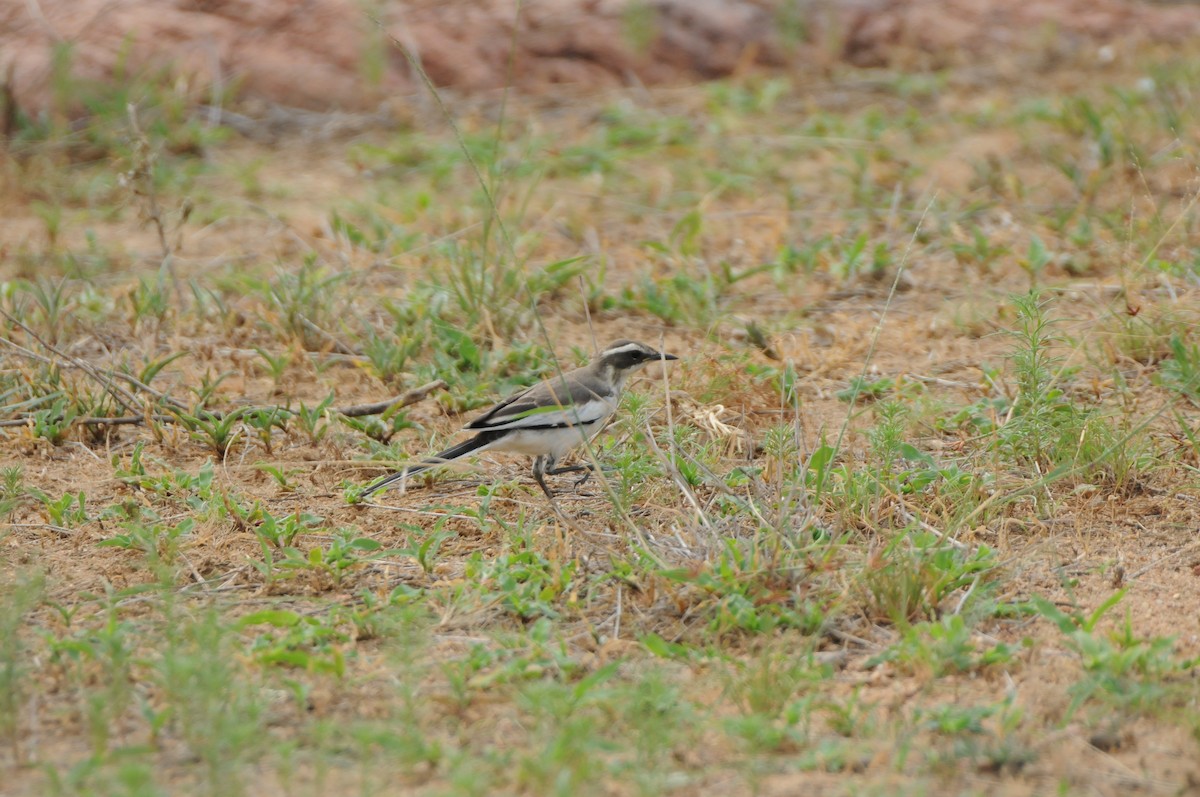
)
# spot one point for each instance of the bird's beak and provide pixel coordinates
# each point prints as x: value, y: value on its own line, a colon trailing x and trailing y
x: 664, y: 356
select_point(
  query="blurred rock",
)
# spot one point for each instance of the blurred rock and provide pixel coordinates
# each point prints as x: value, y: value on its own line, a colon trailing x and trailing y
x: 329, y: 55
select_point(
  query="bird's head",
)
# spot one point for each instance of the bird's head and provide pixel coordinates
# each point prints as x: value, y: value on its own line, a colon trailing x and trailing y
x: 621, y: 358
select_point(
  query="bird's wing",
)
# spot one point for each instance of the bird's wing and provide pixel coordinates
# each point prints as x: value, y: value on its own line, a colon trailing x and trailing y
x: 572, y: 399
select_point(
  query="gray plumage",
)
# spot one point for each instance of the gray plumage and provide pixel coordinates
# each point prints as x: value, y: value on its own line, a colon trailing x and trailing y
x: 549, y: 419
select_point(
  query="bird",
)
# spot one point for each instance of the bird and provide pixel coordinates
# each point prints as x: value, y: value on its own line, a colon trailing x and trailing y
x: 549, y: 419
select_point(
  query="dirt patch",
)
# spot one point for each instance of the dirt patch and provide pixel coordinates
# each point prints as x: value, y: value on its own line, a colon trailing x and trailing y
x: 716, y: 219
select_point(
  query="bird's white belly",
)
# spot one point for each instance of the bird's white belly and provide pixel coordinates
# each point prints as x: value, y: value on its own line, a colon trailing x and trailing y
x: 540, y: 442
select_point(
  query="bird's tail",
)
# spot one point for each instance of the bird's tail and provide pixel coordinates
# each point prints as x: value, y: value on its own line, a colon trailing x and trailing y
x: 476, y: 443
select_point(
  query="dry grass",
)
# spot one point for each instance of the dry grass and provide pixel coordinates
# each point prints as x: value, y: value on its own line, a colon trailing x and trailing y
x: 875, y: 473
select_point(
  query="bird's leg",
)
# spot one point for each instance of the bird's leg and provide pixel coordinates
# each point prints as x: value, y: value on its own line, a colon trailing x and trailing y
x: 570, y: 469
x: 539, y: 471
x: 587, y: 468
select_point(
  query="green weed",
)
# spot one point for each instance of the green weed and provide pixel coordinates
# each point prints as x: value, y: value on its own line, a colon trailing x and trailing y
x: 17, y: 600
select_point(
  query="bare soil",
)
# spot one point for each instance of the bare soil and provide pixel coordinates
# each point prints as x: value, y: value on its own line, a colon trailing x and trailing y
x: 942, y: 324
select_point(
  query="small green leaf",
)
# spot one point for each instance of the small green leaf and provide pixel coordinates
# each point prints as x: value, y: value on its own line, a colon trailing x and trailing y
x: 279, y: 618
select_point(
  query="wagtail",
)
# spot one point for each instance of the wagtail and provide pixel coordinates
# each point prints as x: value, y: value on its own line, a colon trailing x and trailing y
x: 551, y: 418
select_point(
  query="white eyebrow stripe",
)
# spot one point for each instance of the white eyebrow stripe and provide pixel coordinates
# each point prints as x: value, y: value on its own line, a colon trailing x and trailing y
x: 628, y: 348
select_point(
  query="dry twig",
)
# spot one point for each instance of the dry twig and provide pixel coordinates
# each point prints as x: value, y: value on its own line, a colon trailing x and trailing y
x: 409, y: 398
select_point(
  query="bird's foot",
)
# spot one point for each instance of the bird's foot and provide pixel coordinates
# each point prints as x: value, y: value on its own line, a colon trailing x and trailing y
x: 587, y: 469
